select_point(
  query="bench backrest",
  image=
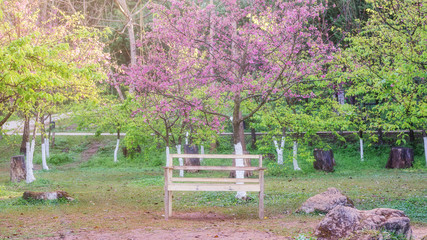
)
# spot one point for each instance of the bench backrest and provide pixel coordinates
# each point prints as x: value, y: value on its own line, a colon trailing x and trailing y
x: 213, y: 184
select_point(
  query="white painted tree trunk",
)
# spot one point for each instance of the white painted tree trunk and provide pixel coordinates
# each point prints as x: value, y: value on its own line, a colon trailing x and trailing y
x: 361, y: 149
x: 27, y: 151
x: 425, y: 148
x: 279, y: 150
x: 116, y: 150
x: 167, y: 156
x: 186, y: 138
x: 239, y: 163
x: 202, y: 151
x: 295, y: 161
x: 47, y: 145
x: 29, y: 166
x: 181, y: 161
x: 44, y: 163
x: 29, y: 154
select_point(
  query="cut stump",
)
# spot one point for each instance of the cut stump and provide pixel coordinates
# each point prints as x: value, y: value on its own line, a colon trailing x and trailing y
x: 47, y: 195
x: 18, y: 171
x: 400, y: 157
x: 191, y: 149
x: 324, y: 160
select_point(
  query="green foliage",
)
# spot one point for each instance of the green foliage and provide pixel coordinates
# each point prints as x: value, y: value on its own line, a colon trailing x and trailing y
x: 59, y: 159
x: 274, y: 169
x: 45, y: 63
x: 222, y: 199
x: 384, y: 68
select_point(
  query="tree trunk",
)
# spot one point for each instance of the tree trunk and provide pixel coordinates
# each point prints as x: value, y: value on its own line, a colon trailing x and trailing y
x: 167, y: 156
x: 43, y: 144
x: 49, y: 136
x: 53, y: 139
x: 241, y: 138
x: 213, y: 147
x: 253, y: 135
x: 180, y: 160
x: 380, y: 136
x: 27, y: 153
x: 295, y: 158
x: 239, y: 174
x: 400, y: 157
x: 238, y: 148
x: 17, y: 168
x: 43, y: 147
x: 29, y: 165
x: 279, y: 150
x: 324, y: 160
x: 47, y: 145
x: 202, y: 151
x: 30, y: 174
x: 131, y: 33
x: 116, y: 150
x: 25, y: 136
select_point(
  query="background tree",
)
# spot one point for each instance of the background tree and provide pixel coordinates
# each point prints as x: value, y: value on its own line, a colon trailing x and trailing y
x: 255, y: 51
x: 45, y: 62
x: 386, y: 65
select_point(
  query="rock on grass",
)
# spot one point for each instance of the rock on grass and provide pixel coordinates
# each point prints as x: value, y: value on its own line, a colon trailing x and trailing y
x: 326, y: 201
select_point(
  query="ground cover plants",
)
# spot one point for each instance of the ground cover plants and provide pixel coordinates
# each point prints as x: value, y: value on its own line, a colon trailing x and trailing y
x: 127, y: 197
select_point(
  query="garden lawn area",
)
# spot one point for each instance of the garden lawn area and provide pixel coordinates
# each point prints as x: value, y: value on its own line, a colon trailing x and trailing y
x: 125, y: 199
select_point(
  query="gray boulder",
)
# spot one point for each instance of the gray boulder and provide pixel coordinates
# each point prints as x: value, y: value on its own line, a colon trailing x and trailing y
x: 326, y: 201
x: 350, y: 223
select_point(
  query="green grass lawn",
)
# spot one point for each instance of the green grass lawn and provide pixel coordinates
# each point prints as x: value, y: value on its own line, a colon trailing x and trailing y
x: 129, y: 194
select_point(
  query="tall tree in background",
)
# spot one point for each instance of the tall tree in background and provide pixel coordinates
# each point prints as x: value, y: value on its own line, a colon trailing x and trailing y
x: 219, y: 58
x: 45, y: 62
x: 386, y: 65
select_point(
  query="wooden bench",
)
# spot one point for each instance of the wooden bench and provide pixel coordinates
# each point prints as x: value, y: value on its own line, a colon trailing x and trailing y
x: 213, y: 184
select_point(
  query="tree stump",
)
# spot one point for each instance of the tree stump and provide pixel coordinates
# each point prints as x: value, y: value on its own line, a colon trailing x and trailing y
x: 324, y: 160
x: 191, y: 149
x: 400, y: 157
x: 18, y: 171
x: 46, y: 195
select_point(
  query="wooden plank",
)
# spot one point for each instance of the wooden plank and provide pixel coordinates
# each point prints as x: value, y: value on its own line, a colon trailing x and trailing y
x: 216, y: 168
x: 210, y: 156
x: 213, y: 187
x: 216, y: 180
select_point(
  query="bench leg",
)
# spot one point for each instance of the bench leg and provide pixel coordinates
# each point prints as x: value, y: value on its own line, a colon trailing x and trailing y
x: 166, y: 204
x: 261, y: 205
x: 170, y: 203
x: 261, y: 195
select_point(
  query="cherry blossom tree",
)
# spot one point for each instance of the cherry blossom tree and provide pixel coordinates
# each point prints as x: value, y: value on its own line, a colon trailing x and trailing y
x: 230, y: 58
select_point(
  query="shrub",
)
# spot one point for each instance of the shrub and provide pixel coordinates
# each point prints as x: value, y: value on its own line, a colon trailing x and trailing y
x: 59, y: 159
